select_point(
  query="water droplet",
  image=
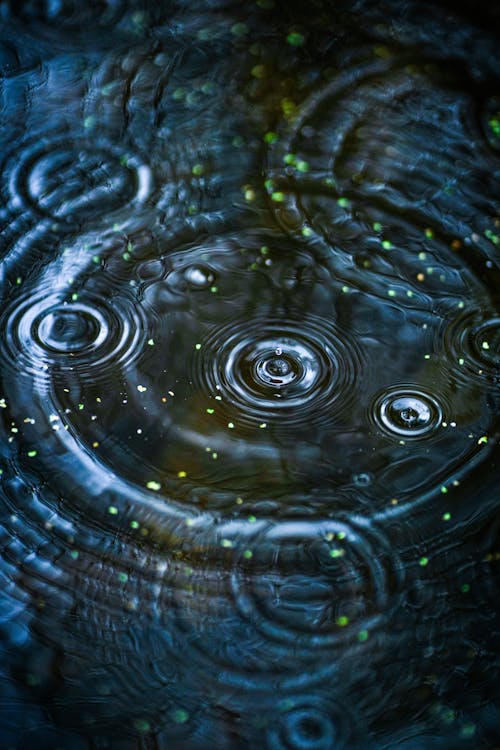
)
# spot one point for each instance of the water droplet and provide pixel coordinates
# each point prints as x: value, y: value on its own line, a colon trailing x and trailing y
x: 407, y: 412
x: 199, y: 277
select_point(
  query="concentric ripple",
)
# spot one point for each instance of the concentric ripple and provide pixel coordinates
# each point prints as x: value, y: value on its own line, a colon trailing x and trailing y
x: 280, y: 369
x: 48, y: 335
x: 311, y: 723
x: 473, y: 342
x: 74, y: 179
x: 408, y: 412
x: 299, y: 587
x: 365, y: 187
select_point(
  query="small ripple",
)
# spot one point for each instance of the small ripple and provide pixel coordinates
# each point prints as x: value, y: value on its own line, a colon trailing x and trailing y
x: 70, y: 178
x: 309, y: 723
x: 490, y: 118
x: 292, y: 370
x: 407, y: 411
x: 50, y: 335
x: 473, y: 343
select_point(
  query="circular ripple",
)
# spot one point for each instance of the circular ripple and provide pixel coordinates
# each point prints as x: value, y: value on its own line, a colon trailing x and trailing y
x: 490, y: 117
x: 473, y: 343
x: 328, y: 584
x: 407, y: 411
x: 356, y: 174
x: 71, y: 179
x: 296, y: 371
x: 309, y: 724
x: 85, y: 339
x: 299, y: 590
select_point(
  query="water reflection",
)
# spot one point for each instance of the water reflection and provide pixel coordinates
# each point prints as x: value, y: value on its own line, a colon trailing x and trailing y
x: 249, y: 377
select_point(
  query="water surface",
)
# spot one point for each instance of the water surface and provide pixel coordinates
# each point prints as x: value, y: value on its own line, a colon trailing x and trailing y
x: 249, y: 365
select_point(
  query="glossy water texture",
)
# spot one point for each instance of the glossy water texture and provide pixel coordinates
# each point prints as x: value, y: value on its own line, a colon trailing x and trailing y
x: 249, y: 370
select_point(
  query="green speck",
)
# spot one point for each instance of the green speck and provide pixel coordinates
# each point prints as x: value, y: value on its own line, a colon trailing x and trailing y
x: 32, y: 454
x: 482, y: 440
x: 122, y: 577
x: 278, y: 197
x: 446, y: 516
x: 230, y: 425
x: 210, y: 411
x: 74, y: 554
x: 134, y: 524
x: 226, y: 543
x: 239, y: 29
x: 198, y: 170
x: 423, y: 561
x: 494, y: 124
x: 179, y: 716
x: 289, y: 158
x: 485, y: 345
x: 151, y: 342
x: 113, y: 510
x: 214, y: 289
x: 238, y: 141
x: 363, y: 636
x: 342, y: 621
x: 337, y: 553
x: 74, y: 297
x: 387, y: 245
x: 96, y: 259
x: 197, y: 347
x: 343, y: 202
x: 377, y: 226
x: 152, y: 485
x: 178, y: 94
x: 271, y: 137
x: 444, y: 489
x: 208, y: 87
x: 429, y: 233
x: 252, y: 519
x: 295, y: 39
x: 468, y: 730
x: 89, y: 122
x: 247, y: 554
x: 302, y: 166
x: 391, y: 293
x: 264, y: 250
x: 142, y: 725
x: 465, y: 588
x: 81, y: 407
x: 341, y: 535
x: 307, y: 232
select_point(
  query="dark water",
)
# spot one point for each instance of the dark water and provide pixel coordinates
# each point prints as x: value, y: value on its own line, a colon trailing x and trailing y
x: 249, y: 340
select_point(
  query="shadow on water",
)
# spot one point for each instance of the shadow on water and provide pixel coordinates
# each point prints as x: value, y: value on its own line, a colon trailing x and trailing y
x: 249, y: 366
